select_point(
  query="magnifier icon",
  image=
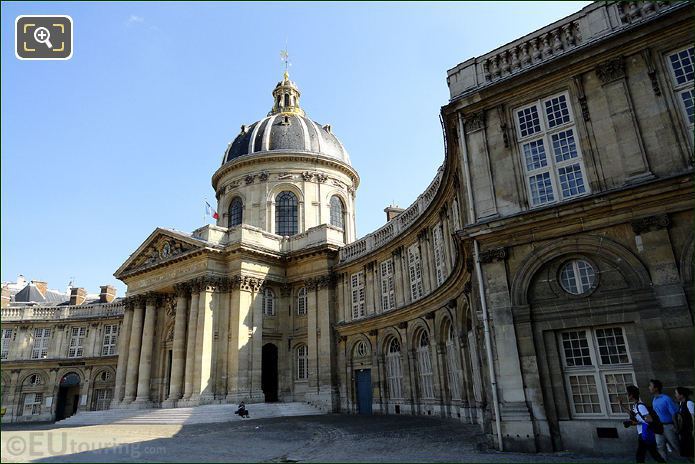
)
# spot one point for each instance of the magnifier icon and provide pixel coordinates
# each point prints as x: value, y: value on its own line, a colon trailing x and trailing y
x: 42, y: 35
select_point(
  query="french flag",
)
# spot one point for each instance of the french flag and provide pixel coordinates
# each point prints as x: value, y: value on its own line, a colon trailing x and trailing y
x: 209, y: 209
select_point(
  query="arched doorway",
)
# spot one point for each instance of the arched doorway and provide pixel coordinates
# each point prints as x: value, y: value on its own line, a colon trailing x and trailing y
x: 68, y: 396
x: 269, y: 372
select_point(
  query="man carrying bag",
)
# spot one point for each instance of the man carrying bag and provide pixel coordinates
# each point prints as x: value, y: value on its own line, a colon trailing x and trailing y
x: 648, y: 426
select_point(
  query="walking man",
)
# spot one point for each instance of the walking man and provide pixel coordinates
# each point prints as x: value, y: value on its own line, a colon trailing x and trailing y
x: 666, y: 409
x: 639, y: 416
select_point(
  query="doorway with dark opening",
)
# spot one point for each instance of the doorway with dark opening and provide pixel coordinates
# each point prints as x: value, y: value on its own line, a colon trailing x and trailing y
x: 269, y: 372
x: 68, y: 396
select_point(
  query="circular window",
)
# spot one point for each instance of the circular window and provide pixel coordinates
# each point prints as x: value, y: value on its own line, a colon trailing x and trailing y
x: 577, y: 277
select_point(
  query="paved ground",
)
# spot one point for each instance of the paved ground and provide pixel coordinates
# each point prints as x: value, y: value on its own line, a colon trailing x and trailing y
x: 327, y: 438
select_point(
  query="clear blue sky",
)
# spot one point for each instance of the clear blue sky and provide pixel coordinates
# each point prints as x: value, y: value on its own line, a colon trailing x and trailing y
x: 99, y: 150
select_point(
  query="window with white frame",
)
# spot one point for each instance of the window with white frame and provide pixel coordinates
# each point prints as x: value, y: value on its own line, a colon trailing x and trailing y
x: 394, y: 373
x: 40, y: 348
x: 453, y: 365
x: 388, y: 294
x: 424, y: 365
x: 550, y: 152
x: 76, y: 347
x: 358, y: 296
x: 268, y: 302
x: 302, y: 362
x: 301, y: 302
x: 439, y: 257
x: 597, y: 368
x: 102, y: 399
x: 109, y: 345
x: 6, y: 342
x: 415, y: 272
x: 32, y: 404
x: 682, y: 64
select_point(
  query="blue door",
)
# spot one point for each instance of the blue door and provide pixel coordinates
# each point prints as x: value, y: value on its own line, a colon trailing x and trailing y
x: 364, y: 391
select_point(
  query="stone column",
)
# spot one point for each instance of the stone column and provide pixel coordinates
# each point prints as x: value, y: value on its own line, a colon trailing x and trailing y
x: 190, y: 342
x: 326, y: 348
x: 222, y: 339
x: 123, y: 346
x: 145, y: 369
x: 369, y: 288
x: 131, y: 376
x: 238, y: 333
x: 203, y: 385
x: 178, y: 354
x: 256, y: 340
x: 312, y: 337
x: 398, y: 286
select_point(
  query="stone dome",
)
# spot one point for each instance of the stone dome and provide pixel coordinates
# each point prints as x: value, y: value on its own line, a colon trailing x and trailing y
x: 286, y: 128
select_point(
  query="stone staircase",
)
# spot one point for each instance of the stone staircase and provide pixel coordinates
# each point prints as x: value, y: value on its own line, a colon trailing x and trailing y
x: 206, y: 414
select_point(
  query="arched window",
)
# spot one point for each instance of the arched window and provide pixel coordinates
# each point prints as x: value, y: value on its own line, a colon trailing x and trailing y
x: 287, y: 100
x: 394, y: 373
x: 268, y: 302
x: 32, y: 395
x: 424, y: 364
x: 301, y: 302
x: 337, y: 212
x: 453, y: 366
x: 235, y: 212
x: 286, y: 213
x: 302, y: 362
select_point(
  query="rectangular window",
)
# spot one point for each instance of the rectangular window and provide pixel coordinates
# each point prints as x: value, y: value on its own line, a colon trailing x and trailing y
x: 585, y: 394
x: 6, y: 342
x: 439, y: 256
x: 108, y: 347
x: 32, y: 404
x: 41, y: 338
x: 681, y: 64
x: 102, y: 399
x: 598, y: 369
x: 552, y: 158
x: 358, y: 296
x: 415, y: 272
x: 76, y: 348
x: 388, y: 294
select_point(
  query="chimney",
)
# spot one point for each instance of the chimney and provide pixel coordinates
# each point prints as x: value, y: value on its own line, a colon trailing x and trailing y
x: 5, y: 297
x: 77, y: 296
x: 392, y: 211
x: 108, y: 294
x: 41, y: 286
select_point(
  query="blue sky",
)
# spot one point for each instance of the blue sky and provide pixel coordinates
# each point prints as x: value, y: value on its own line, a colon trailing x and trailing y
x: 99, y: 150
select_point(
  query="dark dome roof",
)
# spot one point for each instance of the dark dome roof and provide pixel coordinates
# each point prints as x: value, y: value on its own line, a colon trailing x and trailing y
x: 286, y: 131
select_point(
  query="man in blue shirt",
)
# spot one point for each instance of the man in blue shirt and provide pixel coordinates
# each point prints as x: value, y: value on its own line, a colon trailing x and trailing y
x: 666, y: 409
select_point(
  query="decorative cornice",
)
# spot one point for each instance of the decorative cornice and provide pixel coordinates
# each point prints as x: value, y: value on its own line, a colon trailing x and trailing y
x: 611, y: 70
x: 493, y: 254
x: 650, y: 223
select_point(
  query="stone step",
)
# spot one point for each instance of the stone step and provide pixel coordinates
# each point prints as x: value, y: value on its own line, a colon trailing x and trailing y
x: 205, y: 414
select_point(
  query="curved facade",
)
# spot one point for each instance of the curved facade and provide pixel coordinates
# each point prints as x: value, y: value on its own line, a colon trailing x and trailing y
x: 547, y: 265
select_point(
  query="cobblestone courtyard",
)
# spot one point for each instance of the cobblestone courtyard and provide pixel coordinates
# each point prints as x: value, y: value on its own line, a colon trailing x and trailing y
x: 332, y: 438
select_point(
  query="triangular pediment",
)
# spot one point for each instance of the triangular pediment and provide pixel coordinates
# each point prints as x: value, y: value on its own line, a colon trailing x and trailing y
x: 160, y: 247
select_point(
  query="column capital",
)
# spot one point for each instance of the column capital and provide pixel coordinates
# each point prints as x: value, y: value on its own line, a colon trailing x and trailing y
x: 251, y: 284
x: 650, y: 223
x: 153, y: 299
x: 182, y: 289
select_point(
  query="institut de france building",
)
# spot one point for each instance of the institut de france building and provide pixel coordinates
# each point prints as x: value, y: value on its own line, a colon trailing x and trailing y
x: 547, y: 266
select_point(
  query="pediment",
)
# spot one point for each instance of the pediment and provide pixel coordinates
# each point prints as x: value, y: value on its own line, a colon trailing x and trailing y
x: 160, y: 247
